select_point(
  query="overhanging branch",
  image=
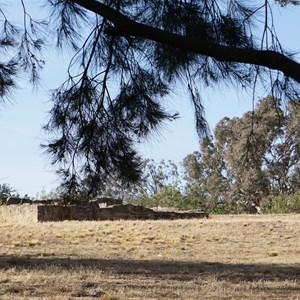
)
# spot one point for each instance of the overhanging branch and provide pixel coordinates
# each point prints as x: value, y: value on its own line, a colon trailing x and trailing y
x: 124, y: 26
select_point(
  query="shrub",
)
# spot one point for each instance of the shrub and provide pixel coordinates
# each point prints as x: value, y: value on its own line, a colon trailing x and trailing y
x: 168, y: 196
x: 283, y: 204
x: 172, y: 197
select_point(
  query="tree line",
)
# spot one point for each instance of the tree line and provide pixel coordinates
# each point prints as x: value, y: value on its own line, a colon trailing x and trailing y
x: 256, y: 156
x: 127, y: 58
x: 248, y: 158
x: 253, y: 156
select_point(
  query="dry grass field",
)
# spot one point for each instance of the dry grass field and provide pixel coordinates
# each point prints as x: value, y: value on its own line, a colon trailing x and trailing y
x: 224, y: 257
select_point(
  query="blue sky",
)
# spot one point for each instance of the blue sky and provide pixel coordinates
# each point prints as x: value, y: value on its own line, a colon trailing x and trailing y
x: 23, y: 164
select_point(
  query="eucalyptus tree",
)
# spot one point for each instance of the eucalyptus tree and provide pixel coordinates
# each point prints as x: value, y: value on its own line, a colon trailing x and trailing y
x: 258, y: 153
x: 128, y: 57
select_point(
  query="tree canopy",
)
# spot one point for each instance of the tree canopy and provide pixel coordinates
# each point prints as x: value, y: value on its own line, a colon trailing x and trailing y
x: 232, y: 171
x: 128, y: 56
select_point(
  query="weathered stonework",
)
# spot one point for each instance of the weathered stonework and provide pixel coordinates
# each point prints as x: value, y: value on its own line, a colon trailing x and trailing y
x: 66, y: 212
x: 90, y: 211
x: 19, y: 213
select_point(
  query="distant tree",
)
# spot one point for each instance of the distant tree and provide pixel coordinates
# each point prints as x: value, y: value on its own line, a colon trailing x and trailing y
x: 204, y: 170
x: 257, y: 153
x: 5, y: 191
x: 128, y: 56
x: 55, y: 193
x: 154, y: 177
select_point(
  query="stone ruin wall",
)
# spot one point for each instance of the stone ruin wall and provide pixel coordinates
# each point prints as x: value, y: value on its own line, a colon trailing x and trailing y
x: 90, y: 211
x: 46, y: 213
x: 19, y: 213
x: 68, y: 212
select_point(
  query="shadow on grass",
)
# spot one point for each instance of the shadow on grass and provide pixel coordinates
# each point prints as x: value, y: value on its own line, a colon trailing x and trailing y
x: 176, y: 270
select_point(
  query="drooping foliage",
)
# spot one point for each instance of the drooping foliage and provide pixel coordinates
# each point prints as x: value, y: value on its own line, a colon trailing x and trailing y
x: 128, y: 57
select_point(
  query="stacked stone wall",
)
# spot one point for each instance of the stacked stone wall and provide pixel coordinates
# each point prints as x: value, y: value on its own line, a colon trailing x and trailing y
x: 19, y: 213
x: 67, y: 212
x: 86, y: 211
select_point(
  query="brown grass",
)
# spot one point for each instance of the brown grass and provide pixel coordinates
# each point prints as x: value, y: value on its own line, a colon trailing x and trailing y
x: 224, y: 257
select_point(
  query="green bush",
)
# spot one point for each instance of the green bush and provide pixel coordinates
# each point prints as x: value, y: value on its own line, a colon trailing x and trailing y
x: 168, y: 196
x: 172, y: 197
x: 142, y: 200
x: 283, y: 204
x: 195, y: 198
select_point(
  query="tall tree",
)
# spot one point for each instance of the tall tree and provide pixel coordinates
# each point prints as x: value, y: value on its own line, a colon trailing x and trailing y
x: 257, y: 153
x: 128, y: 55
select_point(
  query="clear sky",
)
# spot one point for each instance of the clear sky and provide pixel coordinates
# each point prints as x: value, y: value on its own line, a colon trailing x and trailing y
x: 23, y: 164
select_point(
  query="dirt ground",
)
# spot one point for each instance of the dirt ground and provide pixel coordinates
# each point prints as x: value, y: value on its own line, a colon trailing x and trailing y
x: 223, y: 257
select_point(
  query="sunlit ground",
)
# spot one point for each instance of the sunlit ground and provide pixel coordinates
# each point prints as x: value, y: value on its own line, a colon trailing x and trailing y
x: 224, y: 257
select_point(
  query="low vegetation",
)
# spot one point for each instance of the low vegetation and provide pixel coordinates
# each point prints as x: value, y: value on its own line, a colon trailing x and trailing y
x: 224, y: 257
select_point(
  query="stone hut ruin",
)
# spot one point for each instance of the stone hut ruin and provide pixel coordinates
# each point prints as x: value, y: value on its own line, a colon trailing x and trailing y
x: 104, y: 208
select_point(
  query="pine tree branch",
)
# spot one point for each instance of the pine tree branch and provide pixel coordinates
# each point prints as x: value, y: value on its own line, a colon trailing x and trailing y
x: 125, y: 26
